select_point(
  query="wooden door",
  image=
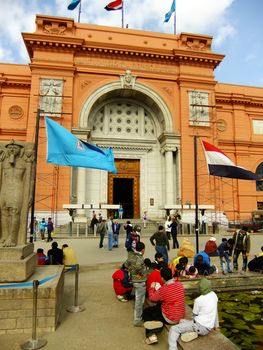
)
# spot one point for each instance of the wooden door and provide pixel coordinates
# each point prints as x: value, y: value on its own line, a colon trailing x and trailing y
x: 126, y: 169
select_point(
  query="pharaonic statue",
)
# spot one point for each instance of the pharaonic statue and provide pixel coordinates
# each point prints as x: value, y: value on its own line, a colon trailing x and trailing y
x: 17, y: 171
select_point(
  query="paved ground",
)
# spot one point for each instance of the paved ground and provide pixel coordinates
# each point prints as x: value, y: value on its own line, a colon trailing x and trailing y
x: 106, y: 323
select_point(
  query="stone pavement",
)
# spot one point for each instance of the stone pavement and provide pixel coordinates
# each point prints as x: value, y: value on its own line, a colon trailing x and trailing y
x: 106, y: 323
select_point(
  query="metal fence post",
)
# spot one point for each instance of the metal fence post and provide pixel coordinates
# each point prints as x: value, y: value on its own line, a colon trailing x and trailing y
x: 34, y: 343
x: 76, y: 307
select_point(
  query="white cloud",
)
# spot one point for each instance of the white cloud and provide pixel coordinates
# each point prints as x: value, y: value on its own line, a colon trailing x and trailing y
x: 197, y: 16
x: 250, y: 57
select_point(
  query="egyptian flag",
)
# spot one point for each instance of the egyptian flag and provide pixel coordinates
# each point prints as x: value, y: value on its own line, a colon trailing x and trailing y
x: 114, y: 5
x: 220, y: 165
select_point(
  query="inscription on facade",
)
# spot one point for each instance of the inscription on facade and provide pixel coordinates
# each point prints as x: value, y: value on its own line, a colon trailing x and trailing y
x: 140, y: 66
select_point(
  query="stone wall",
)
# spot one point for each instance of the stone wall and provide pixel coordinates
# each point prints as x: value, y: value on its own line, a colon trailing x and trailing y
x: 16, y: 304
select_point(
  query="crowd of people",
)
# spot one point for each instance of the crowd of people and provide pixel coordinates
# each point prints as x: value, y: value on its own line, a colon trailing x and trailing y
x: 42, y: 228
x: 57, y: 256
x: 155, y: 284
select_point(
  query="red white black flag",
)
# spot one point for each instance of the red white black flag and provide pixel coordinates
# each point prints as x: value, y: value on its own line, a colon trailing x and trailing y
x: 114, y: 5
x: 220, y: 165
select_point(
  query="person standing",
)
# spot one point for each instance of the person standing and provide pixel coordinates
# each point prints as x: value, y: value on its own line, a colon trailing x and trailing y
x: 50, y: 229
x: 116, y: 233
x: 110, y: 233
x: 160, y: 241
x: 120, y: 211
x: 241, y: 245
x: 167, y: 227
x: 144, y: 219
x: 102, y: 230
x: 136, y: 267
x: 173, y: 227
x: 42, y: 228
x: 205, y: 317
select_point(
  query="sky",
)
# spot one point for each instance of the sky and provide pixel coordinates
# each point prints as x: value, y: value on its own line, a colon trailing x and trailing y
x: 236, y: 27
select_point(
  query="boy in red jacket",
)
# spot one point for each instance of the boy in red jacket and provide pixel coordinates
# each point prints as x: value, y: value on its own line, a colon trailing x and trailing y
x: 122, y: 284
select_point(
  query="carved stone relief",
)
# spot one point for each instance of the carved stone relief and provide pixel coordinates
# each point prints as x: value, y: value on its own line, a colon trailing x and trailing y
x: 15, y: 112
x: 51, y: 91
x: 127, y: 80
x: 198, y: 108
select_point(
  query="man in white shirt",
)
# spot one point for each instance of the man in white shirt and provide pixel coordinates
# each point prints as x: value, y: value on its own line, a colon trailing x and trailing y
x: 205, y: 317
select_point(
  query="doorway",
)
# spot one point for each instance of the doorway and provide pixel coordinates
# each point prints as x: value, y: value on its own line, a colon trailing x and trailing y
x: 123, y: 194
x: 124, y: 187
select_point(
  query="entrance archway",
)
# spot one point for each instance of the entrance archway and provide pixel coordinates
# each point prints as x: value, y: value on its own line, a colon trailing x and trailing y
x: 124, y: 187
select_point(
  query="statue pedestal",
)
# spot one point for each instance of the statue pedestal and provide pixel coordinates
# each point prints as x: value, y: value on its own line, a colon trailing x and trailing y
x: 18, y: 263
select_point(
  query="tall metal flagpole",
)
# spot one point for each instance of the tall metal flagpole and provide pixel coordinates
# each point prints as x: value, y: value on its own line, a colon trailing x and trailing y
x: 39, y: 111
x: 79, y: 11
x: 196, y: 195
x: 174, y: 22
x: 122, y: 14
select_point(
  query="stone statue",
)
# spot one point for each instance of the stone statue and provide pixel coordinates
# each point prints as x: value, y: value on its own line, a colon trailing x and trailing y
x: 17, y: 170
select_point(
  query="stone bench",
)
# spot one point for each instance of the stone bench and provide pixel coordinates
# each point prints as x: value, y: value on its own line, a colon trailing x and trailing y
x: 215, y: 340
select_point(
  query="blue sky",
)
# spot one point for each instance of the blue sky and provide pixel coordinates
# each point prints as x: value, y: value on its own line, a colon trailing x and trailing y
x: 236, y: 26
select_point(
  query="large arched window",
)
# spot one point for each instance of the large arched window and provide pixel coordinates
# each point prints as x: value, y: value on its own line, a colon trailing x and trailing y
x: 259, y: 172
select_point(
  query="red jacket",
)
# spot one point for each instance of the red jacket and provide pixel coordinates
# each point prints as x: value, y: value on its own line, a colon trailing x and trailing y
x: 171, y: 295
x: 210, y: 247
x: 121, y: 282
x: 41, y: 259
x: 154, y: 276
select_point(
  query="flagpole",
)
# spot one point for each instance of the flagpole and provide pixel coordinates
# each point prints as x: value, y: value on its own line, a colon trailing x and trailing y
x: 196, y: 195
x: 79, y: 11
x: 39, y: 111
x: 122, y: 14
x: 174, y: 22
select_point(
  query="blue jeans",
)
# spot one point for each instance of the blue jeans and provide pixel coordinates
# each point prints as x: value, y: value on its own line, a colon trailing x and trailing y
x: 115, y: 240
x: 225, y: 263
x: 140, y: 290
x: 162, y: 250
x: 110, y: 240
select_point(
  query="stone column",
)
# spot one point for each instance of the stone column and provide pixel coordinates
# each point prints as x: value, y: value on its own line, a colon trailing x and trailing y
x: 169, y: 174
x: 81, y: 185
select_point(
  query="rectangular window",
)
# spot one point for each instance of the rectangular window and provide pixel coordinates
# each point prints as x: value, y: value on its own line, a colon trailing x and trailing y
x: 258, y: 127
x: 198, y: 108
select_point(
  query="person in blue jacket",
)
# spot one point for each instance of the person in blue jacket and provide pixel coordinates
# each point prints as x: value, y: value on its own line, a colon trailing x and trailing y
x: 202, y: 263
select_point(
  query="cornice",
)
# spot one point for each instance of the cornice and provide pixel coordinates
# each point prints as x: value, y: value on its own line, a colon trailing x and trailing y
x: 238, y: 99
x: 12, y: 132
x: 240, y: 143
x: 183, y: 55
x: 14, y: 82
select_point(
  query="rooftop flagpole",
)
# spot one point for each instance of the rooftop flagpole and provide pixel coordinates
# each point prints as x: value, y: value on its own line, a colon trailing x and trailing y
x: 122, y: 14
x: 79, y: 11
x: 174, y: 22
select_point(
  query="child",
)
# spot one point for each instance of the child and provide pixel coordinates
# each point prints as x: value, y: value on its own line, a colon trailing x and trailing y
x: 202, y: 264
x: 41, y: 257
x: 121, y: 284
x: 224, y: 255
x: 191, y: 272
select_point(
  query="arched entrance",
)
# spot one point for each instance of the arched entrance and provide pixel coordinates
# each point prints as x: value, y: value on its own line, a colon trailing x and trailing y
x: 137, y: 124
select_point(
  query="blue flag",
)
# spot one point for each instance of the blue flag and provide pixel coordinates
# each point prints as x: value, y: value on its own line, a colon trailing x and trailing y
x: 66, y: 149
x: 169, y: 14
x: 73, y: 4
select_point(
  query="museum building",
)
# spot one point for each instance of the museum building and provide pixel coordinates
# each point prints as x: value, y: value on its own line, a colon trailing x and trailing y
x: 146, y: 95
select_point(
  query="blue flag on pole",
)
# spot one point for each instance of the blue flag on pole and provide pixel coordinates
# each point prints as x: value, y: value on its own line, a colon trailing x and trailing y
x: 169, y: 14
x: 66, y: 149
x: 73, y: 4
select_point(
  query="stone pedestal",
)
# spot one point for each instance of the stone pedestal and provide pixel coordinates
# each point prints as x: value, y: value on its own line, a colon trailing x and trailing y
x: 16, y: 304
x: 18, y: 263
